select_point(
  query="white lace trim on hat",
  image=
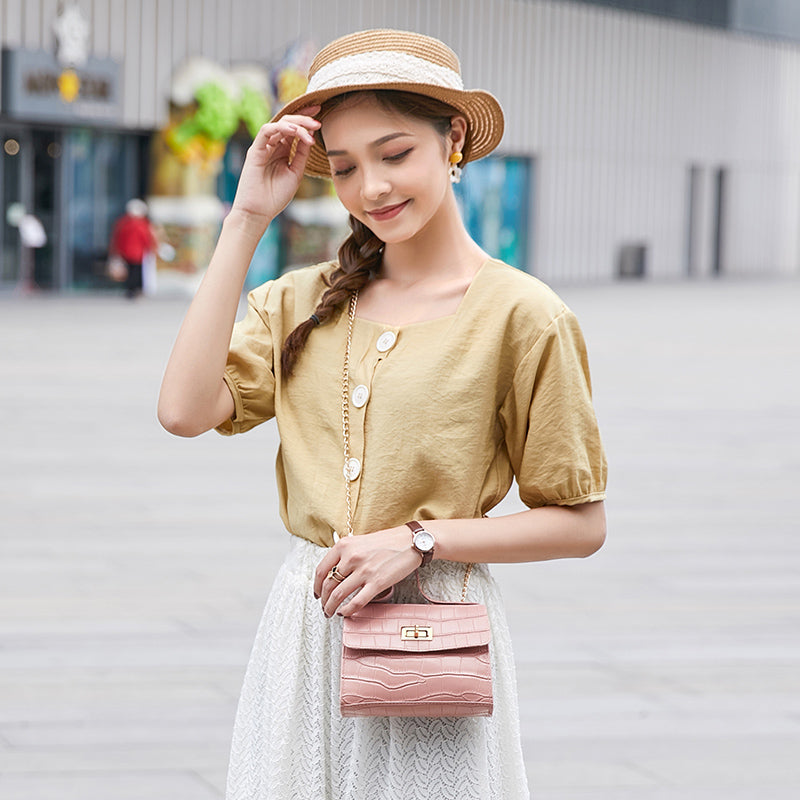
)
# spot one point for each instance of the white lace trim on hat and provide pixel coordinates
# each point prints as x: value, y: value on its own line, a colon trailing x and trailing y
x: 382, y: 66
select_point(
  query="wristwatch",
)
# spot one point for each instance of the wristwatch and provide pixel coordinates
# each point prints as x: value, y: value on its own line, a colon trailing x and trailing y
x: 422, y: 541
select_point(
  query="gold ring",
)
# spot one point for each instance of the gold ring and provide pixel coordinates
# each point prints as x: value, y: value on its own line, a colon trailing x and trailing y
x: 334, y: 573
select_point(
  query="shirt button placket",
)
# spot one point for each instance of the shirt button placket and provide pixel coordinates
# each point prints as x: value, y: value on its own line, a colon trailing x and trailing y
x: 386, y: 341
x: 352, y: 469
x: 360, y: 395
x: 359, y: 398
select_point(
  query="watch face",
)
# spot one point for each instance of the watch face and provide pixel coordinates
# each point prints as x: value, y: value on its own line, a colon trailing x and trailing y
x: 423, y: 541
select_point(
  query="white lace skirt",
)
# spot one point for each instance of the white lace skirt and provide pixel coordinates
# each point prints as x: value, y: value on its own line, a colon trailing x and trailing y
x: 291, y: 743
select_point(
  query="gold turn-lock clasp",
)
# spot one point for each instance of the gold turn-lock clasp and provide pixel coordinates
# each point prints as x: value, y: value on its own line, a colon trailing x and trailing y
x: 408, y: 632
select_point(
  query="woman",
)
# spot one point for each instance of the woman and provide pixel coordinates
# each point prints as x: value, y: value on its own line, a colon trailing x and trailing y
x: 463, y: 374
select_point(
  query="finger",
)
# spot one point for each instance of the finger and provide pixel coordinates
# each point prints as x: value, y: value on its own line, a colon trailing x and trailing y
x: 266, y: 145
x: 323, y: 568
x: 304, y: 127
x: 299, y: 156
x: 276, y: 136
x: 328, y: 585
x: 301, y: 133
x: 368, y: 592
x: 287, y: 138
x: 319, y: 579
x: 338, y: 593
x: 286, y: 129
x: 294, y: 148
x: 332, y: 582
x: 379, y: 582
x: 266, y: 133
x: 306, y: 120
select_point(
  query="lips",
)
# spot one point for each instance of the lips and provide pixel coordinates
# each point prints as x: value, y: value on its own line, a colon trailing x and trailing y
x: 387, y: 212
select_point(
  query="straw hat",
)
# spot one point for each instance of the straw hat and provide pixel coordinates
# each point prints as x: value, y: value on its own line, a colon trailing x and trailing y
x: 410, y: 62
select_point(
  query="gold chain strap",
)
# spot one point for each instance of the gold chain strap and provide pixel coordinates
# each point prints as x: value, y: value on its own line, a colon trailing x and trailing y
x: 346, y: 410
x: 351, y: 315
x: 467, y: 573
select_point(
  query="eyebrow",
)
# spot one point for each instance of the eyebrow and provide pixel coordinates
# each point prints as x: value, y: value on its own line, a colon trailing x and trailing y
x: 377, y: 143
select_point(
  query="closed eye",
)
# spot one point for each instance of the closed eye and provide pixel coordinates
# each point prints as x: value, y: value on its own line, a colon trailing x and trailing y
x: 399, y: 156
x: 345, y: 171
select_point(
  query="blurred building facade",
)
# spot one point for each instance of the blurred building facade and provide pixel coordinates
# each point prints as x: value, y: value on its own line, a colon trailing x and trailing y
x: 662, y: 144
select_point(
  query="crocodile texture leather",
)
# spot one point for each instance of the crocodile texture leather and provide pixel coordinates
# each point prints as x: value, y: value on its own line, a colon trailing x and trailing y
x: 444, y: 672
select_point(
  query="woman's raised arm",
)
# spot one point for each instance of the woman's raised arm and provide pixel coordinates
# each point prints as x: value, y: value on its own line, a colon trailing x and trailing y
x: 194, y: 398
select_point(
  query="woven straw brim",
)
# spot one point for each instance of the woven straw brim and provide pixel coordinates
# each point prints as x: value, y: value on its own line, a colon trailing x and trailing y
x: 482, y: 111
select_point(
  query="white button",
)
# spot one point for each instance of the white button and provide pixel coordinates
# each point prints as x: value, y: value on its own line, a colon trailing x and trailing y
x: 386, y: 341
x: 360, y: 395
x: 352, y: 469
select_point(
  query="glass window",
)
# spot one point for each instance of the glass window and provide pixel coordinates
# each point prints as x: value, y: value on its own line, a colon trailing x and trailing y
x: 779, y: 18
x: 11, y: 172
x: 105, y: 171
x: 710, y: 12
x: 47, y: 154
x: 495, y: 200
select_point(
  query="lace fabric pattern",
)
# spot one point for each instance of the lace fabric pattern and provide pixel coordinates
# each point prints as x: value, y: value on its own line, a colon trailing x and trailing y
x: 291, y: 743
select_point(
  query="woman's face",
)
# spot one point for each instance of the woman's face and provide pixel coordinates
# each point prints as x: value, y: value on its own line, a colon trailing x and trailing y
x: 389, y: 169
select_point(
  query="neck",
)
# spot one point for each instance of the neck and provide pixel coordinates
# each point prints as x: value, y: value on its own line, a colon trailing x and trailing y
x: 443, y: 249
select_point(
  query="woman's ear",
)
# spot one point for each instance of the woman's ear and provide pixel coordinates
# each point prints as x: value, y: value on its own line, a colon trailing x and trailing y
x: 458, y: 133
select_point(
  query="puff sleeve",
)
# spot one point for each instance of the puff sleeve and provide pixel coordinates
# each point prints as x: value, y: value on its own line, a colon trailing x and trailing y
x: 250, y: 370
x: 549, y: 422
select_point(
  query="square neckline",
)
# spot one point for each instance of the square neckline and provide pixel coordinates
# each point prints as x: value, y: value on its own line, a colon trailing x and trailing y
x: 420, y: 323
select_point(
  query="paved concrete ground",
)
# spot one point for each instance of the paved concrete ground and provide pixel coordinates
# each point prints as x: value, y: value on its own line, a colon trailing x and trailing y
x: 134, y: 565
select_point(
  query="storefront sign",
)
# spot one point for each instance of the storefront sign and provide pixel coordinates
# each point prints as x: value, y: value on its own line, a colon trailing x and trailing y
x: 37, y: 87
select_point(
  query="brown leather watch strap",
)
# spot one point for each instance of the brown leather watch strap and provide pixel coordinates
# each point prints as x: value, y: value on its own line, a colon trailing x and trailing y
x: 416, y: 528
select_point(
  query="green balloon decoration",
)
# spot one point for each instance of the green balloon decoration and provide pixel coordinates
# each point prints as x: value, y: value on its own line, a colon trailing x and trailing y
x: 217, y: 115
x: 253, y: 109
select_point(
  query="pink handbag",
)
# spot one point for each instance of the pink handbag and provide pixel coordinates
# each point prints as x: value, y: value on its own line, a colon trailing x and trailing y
x: 416, y: 660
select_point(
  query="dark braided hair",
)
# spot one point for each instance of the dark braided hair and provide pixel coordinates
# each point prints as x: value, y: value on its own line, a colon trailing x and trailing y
x: 361, y: 254
x: 359, y: 259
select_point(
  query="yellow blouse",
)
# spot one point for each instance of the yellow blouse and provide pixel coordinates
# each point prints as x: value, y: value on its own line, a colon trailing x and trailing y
x: 443, y: 414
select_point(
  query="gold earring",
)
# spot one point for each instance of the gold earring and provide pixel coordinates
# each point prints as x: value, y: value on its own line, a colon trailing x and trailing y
x: 455, y: 170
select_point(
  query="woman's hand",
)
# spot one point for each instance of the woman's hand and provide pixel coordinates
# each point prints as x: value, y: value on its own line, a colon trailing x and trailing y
x: 369, y: 564
x: 269, y: 180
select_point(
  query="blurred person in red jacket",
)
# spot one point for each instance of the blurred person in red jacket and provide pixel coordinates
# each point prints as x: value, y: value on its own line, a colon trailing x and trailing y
x: 132, y: 240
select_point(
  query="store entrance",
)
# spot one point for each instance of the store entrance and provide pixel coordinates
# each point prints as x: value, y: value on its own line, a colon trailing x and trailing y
x: 46, y: 182
x: 15, y: 151
x: 31, y: 181
x: 75, y: 182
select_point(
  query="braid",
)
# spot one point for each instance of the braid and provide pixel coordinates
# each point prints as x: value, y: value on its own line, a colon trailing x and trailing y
x: 359, y: 259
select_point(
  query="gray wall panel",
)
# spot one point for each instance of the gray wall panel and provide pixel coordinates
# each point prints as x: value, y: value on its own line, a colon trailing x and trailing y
x: 132, y: 69
x: 178, y: 28
x: 31, y: 25
x: 101, y: 28
x: 148, y: 56
x: 222, y: 34
x: 165, y: 57
x: 116, y: 31
x: 12, y: 23
x: 194, y: 28
x: 207, y: 9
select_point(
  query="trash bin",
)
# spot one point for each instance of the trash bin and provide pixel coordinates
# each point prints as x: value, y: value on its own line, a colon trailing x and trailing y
x: 632, y: 260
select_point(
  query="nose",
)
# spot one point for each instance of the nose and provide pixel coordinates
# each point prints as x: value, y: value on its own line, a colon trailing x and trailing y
x: 374, y: 183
